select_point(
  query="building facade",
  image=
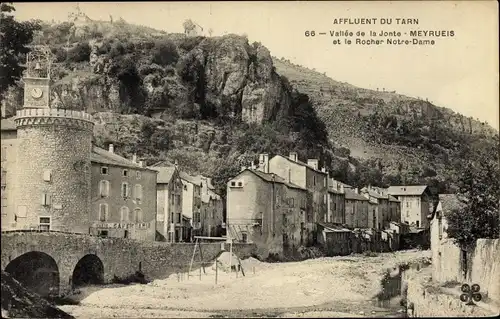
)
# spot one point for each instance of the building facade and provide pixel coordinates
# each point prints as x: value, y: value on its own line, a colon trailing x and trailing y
x: 169, y: 190
x: 212, y: 209
x: 356, y: 209
x: 336, y: 203
x: 191, y: 202
x: 266, y: 210
x: 123, y: 197
x: 8, y: 164
x: 414, y: 202
x: 307, y: 176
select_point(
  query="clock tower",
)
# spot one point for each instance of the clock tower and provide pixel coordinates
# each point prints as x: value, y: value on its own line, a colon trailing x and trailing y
x: 37, y: 78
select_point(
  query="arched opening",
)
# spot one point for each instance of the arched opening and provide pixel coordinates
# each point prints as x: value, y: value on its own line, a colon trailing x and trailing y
x: 88, y: 271
x: 37, y: 272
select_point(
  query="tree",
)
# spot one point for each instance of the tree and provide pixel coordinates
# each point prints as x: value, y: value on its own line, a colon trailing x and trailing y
x: 14, y: 38
x: 479, y: 192
x: 188, y: 26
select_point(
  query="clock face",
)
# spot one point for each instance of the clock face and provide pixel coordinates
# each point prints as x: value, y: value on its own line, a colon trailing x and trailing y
x: 36, y: 93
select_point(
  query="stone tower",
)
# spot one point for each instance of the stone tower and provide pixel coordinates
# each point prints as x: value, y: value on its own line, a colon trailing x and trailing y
x: 53, y: 157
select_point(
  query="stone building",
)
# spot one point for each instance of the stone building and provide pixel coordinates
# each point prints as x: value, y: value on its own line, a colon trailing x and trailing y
x: 307, y: 176
x: 169, y: 190
x: 8, y: 163
x: 212, y: 208
x: 267, y: 210
x: 356, y: 209
x: 415, y: 202
x: 336, y: 202
x: 123, y: 196
x: 191, y: 202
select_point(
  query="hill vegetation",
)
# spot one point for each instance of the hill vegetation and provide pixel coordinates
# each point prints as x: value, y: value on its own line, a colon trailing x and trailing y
x: 214, y: 103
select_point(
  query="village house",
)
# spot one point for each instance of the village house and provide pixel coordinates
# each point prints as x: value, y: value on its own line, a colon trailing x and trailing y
x: 383, y: 216
x: 414, y: 202
x: 191, y: 202
x: 307, y: 176
x: 267, y: 210
x: 212, y: 208
x: 169, y: 189
x: 394, y: 209
x: 335, y: 239
x: 123, y: 196
x: 336, y: 202
x: 372, y: 212
x: 356, y: 209
x: 8, y: 163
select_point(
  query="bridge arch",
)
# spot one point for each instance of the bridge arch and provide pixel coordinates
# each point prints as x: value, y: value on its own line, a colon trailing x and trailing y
x: 88, y: 270
x: 37, y: 272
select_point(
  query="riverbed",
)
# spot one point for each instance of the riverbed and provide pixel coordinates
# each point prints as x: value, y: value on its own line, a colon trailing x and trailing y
x: 322, y: 287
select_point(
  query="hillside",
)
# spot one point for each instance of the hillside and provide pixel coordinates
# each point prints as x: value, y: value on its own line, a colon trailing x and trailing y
x: 213, y: 103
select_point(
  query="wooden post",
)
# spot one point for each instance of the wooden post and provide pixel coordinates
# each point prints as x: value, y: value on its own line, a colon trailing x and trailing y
x: 216, y: 270
x: 192, y: 257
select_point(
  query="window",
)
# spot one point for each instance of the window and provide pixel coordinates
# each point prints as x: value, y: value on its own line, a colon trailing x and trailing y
x: 138, y: 215
x: 125, y: 173
x: 124, y: 212
x: 407, y: 214
x: 103, y: 212
x: 324, y: 182
x: 104, y: 170
x: 172, y: 218
x: 138, y: 175
x: 125, y: 190
x: 46, y: 199
x: 44, y: 223
x: 292, y: 202
x: 440, y: 227
x: 244, y: 237
x: 104, y: 188
x: 314, y: 180
x: 240, y: 184
x: 335, y: 206
x: 138, y: 193
x: 418, y: 223
x: 47, y: 175
x: 125, y: 233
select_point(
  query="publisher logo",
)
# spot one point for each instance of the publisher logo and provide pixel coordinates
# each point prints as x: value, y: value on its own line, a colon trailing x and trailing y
x: 470, y: 294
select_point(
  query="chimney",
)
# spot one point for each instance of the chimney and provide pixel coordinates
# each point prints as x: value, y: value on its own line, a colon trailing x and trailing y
x: 323, y: 170
x: 141, y: 163
x: 341, y: 188
x: 252, y: 165
x: 134, y: 158
x: 111, y: 148
x: 313, y: 163
x: 264, y: 163
x: 356, y: 190
x: 243, y: 168
x: 293, y: 156
x: 289, y: 175
x: 176, y: 164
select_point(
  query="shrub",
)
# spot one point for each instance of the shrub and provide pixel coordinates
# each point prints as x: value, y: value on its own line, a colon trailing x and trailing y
x: 165, y: 53
x: 190, y: 43
x: 80, y: 53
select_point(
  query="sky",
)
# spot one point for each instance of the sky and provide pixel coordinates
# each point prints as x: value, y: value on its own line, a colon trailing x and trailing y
x: 459, y: 72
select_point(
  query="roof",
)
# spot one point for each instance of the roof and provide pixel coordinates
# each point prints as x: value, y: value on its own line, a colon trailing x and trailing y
x: 330, y: 227
x: 373, y: 201
x: 165, y: 174
x: 393, y: 199
x: 8, y: 124
x: 373, y: 193
x: 446, y: 203
x: 196, y: 180
x: 334, y: 191
x: 209, y: 194
x: 102, y: 156
x: 349, y: 194
x: 302, y: 164
x: 270, y: 177
x: 414, y: 190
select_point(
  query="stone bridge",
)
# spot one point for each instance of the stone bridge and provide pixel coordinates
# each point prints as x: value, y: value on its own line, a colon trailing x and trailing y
x: 54, y: 263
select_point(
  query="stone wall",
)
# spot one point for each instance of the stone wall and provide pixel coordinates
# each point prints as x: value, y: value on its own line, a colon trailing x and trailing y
x: 484, y: 266
x: 120, y: 257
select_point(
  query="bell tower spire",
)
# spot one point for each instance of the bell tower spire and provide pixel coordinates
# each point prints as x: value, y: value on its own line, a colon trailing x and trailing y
x: 37, y: 78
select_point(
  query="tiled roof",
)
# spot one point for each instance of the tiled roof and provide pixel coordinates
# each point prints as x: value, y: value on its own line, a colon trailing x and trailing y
x: 165, y: 174
x: 190, y: 179
x: 274, y: 178
x: 407, y: 190
x: 373, y: 193
x: 8, y: 124
x: 349, y: 194
x: 302, y: 164
x: 102, y: 156
x: 446, y: 203
x: 393, y: 199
